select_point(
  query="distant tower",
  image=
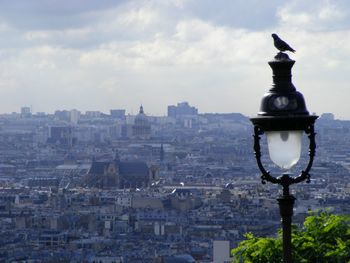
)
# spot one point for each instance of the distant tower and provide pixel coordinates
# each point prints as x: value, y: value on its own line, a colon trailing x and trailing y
x: 141, y: 128
x: 141, y: 110
x: 74, y: 116
x: 161, y: 155
x: 154, y: 172
x: 26, y: 112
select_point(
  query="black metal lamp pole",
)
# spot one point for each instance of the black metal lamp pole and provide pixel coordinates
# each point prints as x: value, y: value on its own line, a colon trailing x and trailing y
x: 283, y: 110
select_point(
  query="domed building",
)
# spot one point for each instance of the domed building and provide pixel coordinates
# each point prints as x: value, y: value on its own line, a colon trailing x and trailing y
x: 142, y: 127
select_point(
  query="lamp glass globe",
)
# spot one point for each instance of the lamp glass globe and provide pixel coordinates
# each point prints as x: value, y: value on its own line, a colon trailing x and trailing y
x: 284, y: 147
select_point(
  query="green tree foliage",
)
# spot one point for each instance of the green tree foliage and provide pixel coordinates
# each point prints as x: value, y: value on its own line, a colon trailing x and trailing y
x: 324, y: 238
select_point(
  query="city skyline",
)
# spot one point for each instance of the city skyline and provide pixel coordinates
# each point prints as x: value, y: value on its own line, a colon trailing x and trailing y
x: 27, y: 111
x: 91, y: 55
x: 103, y: 188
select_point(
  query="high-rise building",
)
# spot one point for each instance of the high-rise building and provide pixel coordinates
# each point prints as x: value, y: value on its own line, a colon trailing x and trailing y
x: 327, y: 116
x: 61, y: 134
x: 74, y: 116
x: 26, y: 112
x: 182, y: 109
x: 62, y: 115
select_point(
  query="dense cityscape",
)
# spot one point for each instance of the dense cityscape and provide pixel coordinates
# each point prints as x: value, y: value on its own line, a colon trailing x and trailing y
x: 97, y: 187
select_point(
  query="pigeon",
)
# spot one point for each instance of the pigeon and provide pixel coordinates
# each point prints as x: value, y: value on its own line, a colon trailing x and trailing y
x: 280, y: 44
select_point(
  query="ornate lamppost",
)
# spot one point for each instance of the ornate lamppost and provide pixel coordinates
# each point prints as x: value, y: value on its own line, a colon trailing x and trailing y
x: 283, y: 118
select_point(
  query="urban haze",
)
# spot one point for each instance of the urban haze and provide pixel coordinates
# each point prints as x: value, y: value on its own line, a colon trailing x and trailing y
x: 94, y: 187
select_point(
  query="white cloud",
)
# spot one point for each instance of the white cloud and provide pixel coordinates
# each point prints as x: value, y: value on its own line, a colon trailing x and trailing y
x: 140, y: 18
x: 161, y: 52
x: 331, y: 12
x: 4, y: 27
x: 313, y: 16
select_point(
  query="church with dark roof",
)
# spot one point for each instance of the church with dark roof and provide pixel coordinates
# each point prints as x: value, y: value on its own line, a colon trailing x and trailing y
x: 118, y: 174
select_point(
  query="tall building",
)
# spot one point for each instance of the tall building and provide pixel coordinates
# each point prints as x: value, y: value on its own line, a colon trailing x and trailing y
x: 74, y: 116
x: 118, y: 114
x: 26, y: 112
x: 61, y: 135
x: 327, y: 116
x: 62, y: 115
x: 182, y: 109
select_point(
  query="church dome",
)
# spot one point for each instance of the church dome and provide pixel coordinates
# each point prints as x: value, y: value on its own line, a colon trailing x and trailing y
x: 142, y: 126
x: 141, y: 118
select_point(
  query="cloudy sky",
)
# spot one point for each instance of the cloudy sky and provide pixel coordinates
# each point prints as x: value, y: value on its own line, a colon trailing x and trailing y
x: 100, y: 55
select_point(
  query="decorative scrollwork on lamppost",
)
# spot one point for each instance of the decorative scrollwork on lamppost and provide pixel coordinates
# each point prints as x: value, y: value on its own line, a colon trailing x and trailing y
x: 283, y: 117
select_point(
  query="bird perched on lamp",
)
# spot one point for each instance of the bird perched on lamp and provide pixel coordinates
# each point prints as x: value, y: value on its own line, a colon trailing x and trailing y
x: 280, y: 44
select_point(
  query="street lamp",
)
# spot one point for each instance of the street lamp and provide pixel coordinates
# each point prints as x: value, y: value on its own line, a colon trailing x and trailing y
x: 283, y: 118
